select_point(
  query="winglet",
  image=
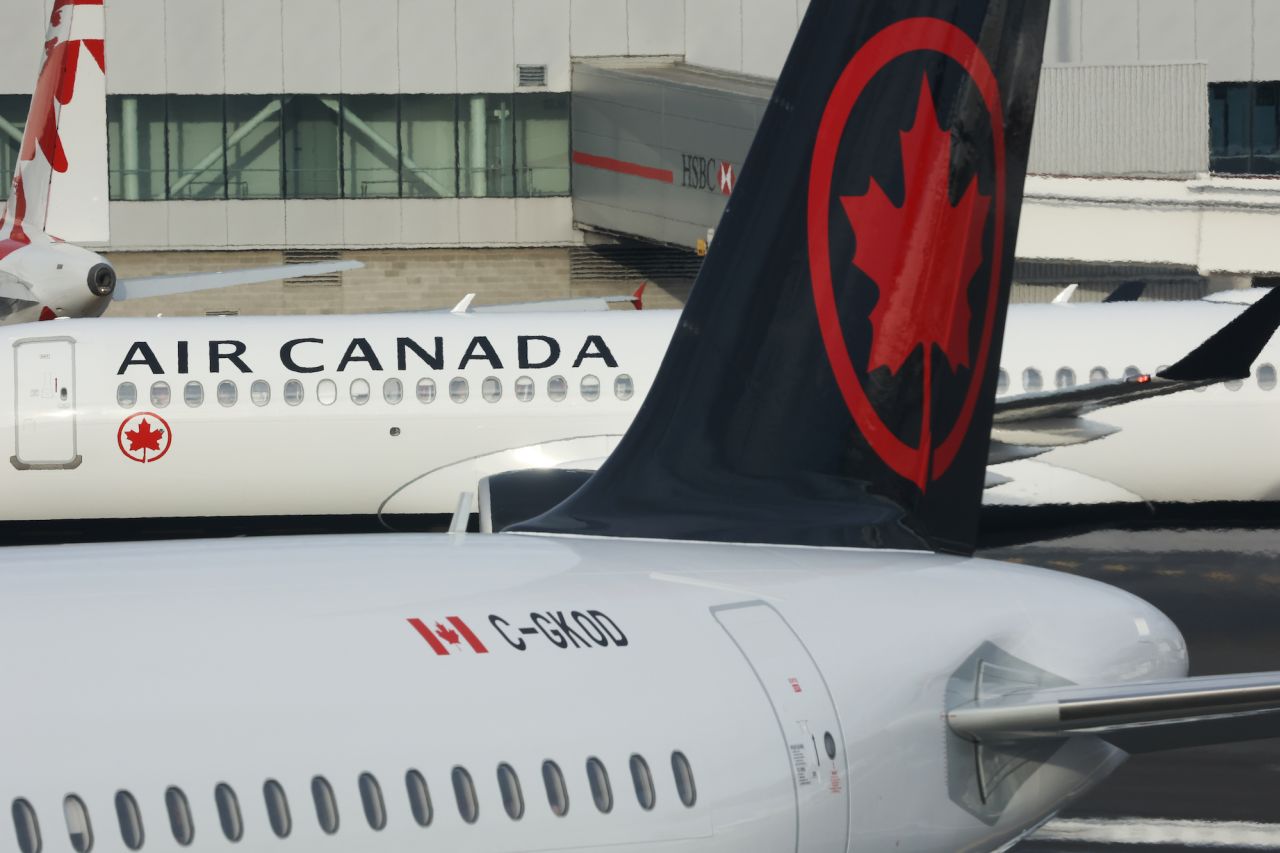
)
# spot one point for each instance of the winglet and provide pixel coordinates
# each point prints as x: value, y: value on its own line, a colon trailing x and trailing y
x: 637, y: 298
x: 464, y: 304
x: 1066, y: 294
x: 1231, y: 351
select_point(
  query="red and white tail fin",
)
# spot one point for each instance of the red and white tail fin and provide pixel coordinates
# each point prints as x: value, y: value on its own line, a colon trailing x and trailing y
x: 60, y: 183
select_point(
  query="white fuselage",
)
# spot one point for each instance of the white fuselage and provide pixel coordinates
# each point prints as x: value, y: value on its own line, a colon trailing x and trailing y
x: 1188, y: 447
x: 70, y: 457
x: 145, y: 667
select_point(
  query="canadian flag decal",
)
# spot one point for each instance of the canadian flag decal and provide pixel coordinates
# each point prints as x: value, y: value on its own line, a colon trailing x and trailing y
x: 449, y: 635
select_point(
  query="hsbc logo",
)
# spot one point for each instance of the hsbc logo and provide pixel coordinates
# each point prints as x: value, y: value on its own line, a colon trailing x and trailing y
x: 707, y: 173
x: 558, y: 629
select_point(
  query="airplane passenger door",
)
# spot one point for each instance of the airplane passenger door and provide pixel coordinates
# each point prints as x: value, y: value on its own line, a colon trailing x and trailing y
x: 44, y: 404
x: 806, y: 716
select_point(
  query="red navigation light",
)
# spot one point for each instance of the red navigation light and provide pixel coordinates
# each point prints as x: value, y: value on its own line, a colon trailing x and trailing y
x: 1143, y: 378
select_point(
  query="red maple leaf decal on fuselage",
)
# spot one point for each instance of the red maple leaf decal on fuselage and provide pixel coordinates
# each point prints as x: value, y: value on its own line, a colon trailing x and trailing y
x: 923, y: 254
x: 448, y: 635
x: 144, y: 438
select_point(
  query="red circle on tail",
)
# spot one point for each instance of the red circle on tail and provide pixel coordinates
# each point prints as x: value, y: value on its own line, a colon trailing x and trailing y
x: 927, y: 462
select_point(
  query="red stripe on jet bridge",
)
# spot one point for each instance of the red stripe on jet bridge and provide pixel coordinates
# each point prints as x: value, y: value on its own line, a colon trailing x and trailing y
x: 467, y: 635
x: 429, y: 636
x: 623, y: 167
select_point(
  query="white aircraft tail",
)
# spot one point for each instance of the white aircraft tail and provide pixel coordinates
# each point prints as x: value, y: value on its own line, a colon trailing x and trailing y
x: 60, y: 182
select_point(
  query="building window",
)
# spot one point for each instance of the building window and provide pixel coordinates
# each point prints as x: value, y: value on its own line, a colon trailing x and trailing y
x: 254, y: 153
x: 542, y: 144
x: 311, y: 143
x: 370, y: 146
x: 1244, y: 128
x: 13, y: 118
x: 486, y: 146
x: 428, y: 146
x: 195, y: 146
x: 136, y: 147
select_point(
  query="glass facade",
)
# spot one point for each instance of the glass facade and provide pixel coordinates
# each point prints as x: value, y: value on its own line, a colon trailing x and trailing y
x: 1244, y: 128
x: 332, y: 146
x: 13, y: 117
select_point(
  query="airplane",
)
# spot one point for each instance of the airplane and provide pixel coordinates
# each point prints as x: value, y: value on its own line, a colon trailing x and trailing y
x: 60, y: 188
x: 301, y: 423
x: 753, y: 629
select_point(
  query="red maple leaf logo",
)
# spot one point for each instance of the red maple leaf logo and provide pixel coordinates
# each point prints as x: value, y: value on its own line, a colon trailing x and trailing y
x: 144, y: 438
x: 923, y: 254
x: 448, y: 635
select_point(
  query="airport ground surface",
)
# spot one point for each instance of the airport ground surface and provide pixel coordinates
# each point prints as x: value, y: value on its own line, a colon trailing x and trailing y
x: 1222, y: 588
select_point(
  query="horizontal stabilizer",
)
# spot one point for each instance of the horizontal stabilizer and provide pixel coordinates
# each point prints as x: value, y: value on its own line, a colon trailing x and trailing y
x: 169, y: 285
x: 12, y: 287
x: 1143, y: 717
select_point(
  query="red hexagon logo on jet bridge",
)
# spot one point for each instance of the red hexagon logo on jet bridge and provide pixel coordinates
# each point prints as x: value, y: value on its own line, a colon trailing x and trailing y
x: 144, y: 437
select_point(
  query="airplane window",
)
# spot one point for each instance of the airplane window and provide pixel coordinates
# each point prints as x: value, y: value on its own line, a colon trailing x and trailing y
x: 512, y: 796
x: 277, y: 808
x: 684, y: 779
x: 1031, y: 380
x: 1064, y: 378
x: 392, y: 391
x: 598, y: 778
x: 557, y: 793
x: 590, y: 388
x: 1132, y: 372
x: 491, y: 389
x: 360, y: 391
x: 293, y: 392
x: 326, y: 392
x: 228, y: 812
x: 557, y: 388
x: 1098, y: 374
x: 1233, y: 384
x: 78, y: 827
x: 193, y: 394
x: 375, y: 811
x: 465, y: 793
x: 623, y: 387
x: 426, y: 390
x: 459, y: 389
x: 175, y: 802
x: 1266, y: 376
x: 27, y: 827
x: 227, y: 393
x: 524, y: 389
x: 643, y: 780
x: 160, y: 394
x: 127, y: 395
x: 260, y: 392
x: 1002, y: 381
x: 326, y: 805
x: 419, y: 797
x: 130, y: 820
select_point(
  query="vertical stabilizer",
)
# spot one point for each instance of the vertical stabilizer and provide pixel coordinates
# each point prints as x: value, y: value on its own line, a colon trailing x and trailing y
x: 60, y: 183
x: 832, y: 378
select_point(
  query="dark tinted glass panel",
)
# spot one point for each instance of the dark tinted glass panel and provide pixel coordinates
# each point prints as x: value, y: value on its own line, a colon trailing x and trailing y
x: 643, y: 781
x: 375, y: 811
x: 542, y: 144
x: 13, y: 118
x: 196, y: 158
x: 311, y: 147
x: 370, y: 146
x: 512, y: 796
x: 1266, y: 128
x: 135, y: 147
x: 419, y: 797
x: 175, y: 803
x: 464, y: 791
x: 684, y: 779
x: 598, y: 779
x: 277, y: 808
x: 228, y: 812
x: 557, y: 793
x: 254, y: 153
x: 428, y: 128
x: 486, y: 146
x: 326, y: 805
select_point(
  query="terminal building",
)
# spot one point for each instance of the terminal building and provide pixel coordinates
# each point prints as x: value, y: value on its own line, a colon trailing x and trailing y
x: 536, y: 149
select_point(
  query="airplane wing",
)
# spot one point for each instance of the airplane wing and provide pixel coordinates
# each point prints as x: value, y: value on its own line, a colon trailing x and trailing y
x: 168, y: 285
x: 1026, y: 425
x: 1139, y: 717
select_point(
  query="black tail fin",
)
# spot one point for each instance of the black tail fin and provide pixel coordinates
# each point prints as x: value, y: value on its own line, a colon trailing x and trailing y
x: 832, y: 378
